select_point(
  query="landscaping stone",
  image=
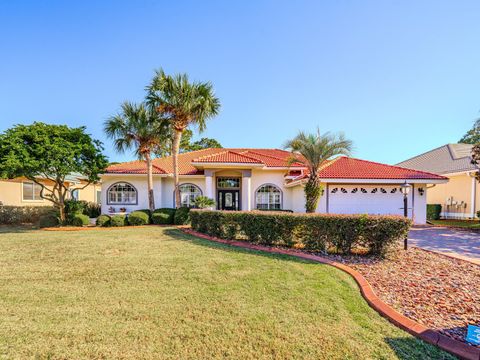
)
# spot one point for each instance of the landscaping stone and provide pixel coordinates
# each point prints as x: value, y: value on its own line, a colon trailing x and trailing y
x: 439, y: 292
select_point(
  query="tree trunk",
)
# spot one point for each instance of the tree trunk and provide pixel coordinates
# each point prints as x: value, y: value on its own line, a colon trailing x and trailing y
x: 61, y: 205
x: 312, y: 190
x: 177, y: 136
x: 151, y: 199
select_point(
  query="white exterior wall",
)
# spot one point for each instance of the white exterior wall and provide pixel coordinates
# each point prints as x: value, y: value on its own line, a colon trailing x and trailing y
x: 277, y: 178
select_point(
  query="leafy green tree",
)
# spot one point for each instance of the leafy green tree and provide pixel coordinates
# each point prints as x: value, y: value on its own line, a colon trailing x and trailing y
x: 139, y: 128
x: 473, y: 135
x: 186, y: 144
x: 313, y: 150
x: 51, y: 152
x: 183, y: 103
x: 476, y: 159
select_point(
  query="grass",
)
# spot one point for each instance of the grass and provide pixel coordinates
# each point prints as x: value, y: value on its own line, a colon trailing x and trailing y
x: 468, y: 224
x: 156, y: 293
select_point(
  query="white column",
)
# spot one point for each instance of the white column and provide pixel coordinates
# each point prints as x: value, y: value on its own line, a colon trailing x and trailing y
x: 247, y: 190
x: 209, y: 184
x: 473, y: 197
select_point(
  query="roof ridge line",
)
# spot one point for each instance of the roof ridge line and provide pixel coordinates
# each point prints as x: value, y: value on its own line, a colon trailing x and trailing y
x: 424, y: 153
x: 210, y: 155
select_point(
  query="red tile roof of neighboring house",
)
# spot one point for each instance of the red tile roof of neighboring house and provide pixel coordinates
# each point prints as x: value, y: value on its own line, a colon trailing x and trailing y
x: 339, y: 168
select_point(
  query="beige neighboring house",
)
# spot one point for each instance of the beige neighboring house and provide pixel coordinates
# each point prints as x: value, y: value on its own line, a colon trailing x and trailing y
x: 460, y: 197
x: 24, y: 192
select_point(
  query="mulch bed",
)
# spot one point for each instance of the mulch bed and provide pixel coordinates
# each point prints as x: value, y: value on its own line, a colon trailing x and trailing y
x: 439, y: 292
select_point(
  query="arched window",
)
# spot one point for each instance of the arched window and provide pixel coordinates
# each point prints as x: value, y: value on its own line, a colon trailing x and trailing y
x: 269, y: 197
x: 122, y: 193
x: 188, y: 194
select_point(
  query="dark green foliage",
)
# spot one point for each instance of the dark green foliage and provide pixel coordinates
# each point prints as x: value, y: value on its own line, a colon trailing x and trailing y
x: 93, y: 210
x: 321, y: 232
x: 204, y: 202
x: 138, y: 217
x: 163, y: 216
x: 473, y: 135
x: 103, y: 220
x: 478, y: 214
x: 55, y: 152
x: 182, y: 216
x: 433, y: 211
x: 49, y: 220
x: 80, y: 220
x: 118, y: 220
x: 312, y: 194
x: 16, y: 215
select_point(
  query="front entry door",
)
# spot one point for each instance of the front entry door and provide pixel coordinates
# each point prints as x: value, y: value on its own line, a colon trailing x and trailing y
x: 228, y: 199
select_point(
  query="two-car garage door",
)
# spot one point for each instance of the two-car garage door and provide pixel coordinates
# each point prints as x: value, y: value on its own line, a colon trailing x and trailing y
x: 365, y: 199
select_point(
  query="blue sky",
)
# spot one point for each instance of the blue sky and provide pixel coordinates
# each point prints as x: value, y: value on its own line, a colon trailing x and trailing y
x: 398, y: 77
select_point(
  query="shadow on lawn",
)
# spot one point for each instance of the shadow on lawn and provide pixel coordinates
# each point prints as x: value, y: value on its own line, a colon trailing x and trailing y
x: 8, y: 229
x: 178, y: 234
x: 403, y: 349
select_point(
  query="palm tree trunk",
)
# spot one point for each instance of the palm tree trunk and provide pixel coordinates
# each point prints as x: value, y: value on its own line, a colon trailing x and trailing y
x: 312, y: 190
x: 151, y: 199
x: 177, y: 136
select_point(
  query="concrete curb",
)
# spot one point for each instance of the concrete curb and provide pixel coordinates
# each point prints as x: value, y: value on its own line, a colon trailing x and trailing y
x: 450, y: 345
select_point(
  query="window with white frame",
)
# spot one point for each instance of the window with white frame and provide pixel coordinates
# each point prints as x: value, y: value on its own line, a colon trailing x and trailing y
x: 98, y: 198
x: 31, y: 191
x: 122, y: 193
x: 75, y: 194
x: 188, y: 194
x: 269, y: 197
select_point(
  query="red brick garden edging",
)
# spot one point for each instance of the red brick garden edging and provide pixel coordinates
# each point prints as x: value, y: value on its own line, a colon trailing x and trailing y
x: 454, y: 347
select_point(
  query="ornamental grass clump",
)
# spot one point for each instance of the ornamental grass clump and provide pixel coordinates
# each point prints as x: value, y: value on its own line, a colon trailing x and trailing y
x: 316, y: 232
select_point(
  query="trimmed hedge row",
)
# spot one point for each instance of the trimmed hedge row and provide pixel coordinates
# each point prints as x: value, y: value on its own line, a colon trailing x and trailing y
x: 434, y: 211
x: 163, y: 216
x: 319, y: 232
x: 16, y: 215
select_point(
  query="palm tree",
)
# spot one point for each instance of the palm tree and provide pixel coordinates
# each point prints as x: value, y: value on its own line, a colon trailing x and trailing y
x: 137, y: 127
x: 183, y: 103
x: 313, y: 150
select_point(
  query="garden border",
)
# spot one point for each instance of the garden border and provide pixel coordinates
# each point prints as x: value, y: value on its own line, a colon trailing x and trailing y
x: 416, y: 329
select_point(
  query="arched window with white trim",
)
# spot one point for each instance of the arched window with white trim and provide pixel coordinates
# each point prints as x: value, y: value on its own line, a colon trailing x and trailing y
x: 122, y: 193
x: 188, y: 194
x: 268, y: 197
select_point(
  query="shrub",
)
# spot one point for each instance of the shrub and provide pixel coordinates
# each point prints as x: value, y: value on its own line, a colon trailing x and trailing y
x: 203, y: 202
x: 118, y: 220
x: 17, y: 215
x: 103, y: 220
x: 136, y: 218
x: 48, y: 220
x: 309, y: 231
x: 433, y: 211
x: 80, y: 220
x: 92, y: 210
x: 73, y: 207
x: 181, y: 216
x: 163, y: 216
x: 478, y: 214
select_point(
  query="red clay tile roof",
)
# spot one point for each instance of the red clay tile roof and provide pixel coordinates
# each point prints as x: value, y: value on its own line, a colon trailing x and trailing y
x: 339, y: 168
x: 350, y: 168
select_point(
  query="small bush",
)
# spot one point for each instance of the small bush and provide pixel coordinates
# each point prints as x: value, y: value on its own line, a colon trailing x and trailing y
x: 17, y: 215
x: 137, y: 218
x: 80, y: 220
x: 103, y: 220
x: 204, y: 202
x: 73, y: 207
x: 118, y: 220
x: 434, y: 211
x: 92, y: 210
x: 308, y: 231
x: 49, y: 220
x: 182, y: 216
x: 163, y: 216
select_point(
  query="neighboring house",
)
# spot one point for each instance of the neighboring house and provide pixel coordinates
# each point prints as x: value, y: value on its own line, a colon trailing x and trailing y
x: 24, y: 192
x: 460, y: 197
x: 247, y: 179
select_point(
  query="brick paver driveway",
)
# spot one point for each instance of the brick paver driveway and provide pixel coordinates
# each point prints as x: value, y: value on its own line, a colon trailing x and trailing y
x: 458, y: 243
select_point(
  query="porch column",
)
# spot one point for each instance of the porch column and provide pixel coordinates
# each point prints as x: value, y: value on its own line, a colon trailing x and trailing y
x: 209, y: 184
x: 247, y: 190
x: 473, y: 199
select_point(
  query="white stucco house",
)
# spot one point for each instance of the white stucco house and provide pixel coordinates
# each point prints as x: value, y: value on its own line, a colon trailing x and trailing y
x: 248, y: 179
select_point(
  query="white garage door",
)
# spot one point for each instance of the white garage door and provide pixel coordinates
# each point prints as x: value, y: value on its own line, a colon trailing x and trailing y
x: 365, y: 199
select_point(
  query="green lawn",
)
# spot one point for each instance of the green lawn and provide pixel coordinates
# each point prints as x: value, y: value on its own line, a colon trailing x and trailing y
x: 155, y: 293
x: 469, y: 224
